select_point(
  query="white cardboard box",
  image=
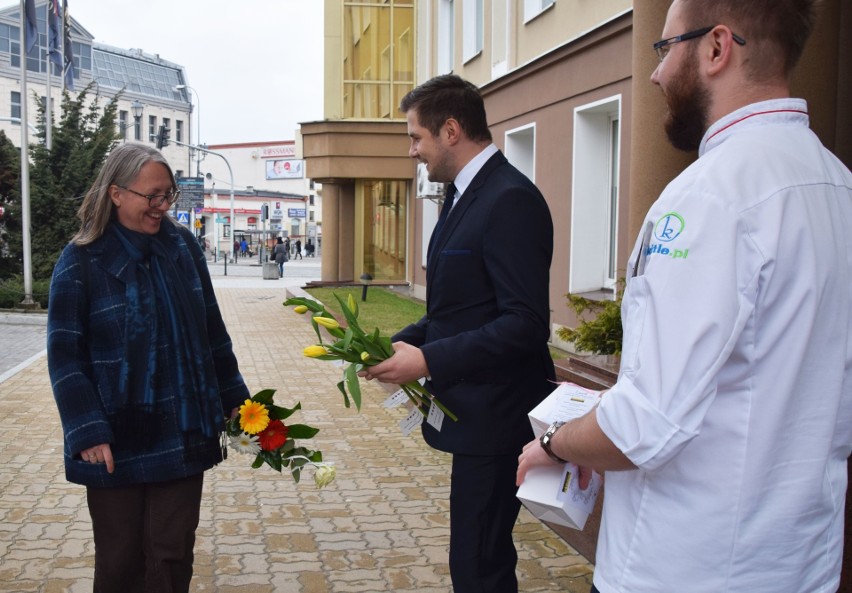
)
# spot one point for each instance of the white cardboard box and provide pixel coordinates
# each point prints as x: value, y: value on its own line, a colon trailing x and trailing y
x: 552, y: 493
x: 566, y: 402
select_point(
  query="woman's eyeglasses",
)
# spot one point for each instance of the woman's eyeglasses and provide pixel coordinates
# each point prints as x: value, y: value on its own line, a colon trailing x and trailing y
x: 156, y: 200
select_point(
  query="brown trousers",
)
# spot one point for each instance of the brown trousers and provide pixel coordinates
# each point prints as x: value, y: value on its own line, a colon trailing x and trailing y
x: 144, y: 535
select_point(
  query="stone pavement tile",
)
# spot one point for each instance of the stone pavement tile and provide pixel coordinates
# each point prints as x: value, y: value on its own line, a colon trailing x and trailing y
x: 381, y: 526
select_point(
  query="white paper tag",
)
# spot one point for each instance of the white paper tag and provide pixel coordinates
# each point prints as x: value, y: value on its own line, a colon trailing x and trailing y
x: 412, y: 421
x: 435, y: 417
x: 396, y: 399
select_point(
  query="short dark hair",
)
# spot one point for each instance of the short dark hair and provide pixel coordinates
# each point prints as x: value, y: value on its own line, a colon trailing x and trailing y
x: 449, y: 96
x: 775, y: 30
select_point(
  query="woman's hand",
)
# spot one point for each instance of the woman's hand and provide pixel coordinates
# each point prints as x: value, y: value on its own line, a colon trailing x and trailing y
x: 99, y: 454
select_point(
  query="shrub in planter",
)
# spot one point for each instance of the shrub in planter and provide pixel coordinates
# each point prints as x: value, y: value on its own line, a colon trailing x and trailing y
x: 600, y: 334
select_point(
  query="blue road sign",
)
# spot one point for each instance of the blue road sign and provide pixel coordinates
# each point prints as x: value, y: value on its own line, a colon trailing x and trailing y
x: 183, y: 217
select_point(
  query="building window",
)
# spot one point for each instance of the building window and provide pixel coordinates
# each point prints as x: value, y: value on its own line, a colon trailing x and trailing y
x: 122, y: 124
x: 9, y: 43
x: 311, y: 216
x: 137, y: 128
x: 152, y: 128
x: 594, y: 223
x: 500, y: 20
x: 446, y: 36
x: 178, y: 130
x: 16, y: 104
x: 311, y: 200
x: 178, y: 173
x: 473, y: 24
x: 520, y: 150
x: 533, y: 8
x: 37, y: 59
x: 383, y: 239
x: 378, y: 58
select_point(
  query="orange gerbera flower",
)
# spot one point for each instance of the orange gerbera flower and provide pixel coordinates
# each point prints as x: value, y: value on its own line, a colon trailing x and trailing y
x: 273, y: 436
x: 254, y: 417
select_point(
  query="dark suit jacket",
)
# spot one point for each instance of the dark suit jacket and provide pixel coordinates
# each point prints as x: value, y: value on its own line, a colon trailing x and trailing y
x: 484, y: 336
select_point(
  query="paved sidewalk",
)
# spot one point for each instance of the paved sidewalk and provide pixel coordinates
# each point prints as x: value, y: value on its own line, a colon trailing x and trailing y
x: 381, y: 526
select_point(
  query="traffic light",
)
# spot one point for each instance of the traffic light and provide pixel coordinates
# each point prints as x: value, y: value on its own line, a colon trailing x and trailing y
x: 163, y: 137
x: 264, y: 212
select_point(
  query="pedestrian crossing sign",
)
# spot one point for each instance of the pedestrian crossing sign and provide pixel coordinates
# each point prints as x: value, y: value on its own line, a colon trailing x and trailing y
x: 183, y: 217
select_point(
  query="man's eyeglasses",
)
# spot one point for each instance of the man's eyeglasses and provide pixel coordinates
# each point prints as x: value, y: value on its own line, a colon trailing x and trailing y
x: 663, y: 46
x: 156, y: 200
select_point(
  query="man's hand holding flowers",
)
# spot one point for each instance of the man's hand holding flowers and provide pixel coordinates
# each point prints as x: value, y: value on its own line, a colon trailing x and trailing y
x: 369, y: 355
x: 406, y: 365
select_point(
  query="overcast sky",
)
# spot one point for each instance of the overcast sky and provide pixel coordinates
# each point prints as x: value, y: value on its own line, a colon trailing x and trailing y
x: 256, y: 64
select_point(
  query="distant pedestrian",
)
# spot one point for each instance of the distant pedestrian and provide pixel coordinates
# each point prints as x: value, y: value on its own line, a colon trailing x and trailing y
x: 236, y: 249
x: 309, y: 248
x: 298, y: 248
x: 243, y: 247
x: 279, y: 252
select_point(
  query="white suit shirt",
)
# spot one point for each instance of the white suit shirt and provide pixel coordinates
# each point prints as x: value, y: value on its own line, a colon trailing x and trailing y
x: 734, y: 398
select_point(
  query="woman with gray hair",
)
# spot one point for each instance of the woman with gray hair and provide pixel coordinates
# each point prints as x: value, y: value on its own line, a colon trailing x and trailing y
x: 143, y: 373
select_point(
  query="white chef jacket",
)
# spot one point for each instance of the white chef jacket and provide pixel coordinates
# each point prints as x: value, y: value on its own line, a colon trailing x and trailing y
x: 734, y: 398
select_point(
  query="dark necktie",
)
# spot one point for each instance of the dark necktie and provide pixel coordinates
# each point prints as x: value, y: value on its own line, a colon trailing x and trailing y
x: 449, y: 198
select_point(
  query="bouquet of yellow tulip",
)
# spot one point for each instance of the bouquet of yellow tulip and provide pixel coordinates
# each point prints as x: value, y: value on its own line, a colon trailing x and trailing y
x: 258, y: 429
x: 358, y: 348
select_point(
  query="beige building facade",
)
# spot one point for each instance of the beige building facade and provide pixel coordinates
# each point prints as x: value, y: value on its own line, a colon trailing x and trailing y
x: 569, y: 100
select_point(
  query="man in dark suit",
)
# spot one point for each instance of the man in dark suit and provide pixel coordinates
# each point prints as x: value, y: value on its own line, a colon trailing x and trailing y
x: 483, y: 341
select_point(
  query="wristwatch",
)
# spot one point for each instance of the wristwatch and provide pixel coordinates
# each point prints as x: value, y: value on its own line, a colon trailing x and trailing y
x: 547, y: 437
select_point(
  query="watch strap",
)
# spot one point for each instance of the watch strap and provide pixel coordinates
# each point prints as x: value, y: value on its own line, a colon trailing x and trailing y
x: 545, y: 442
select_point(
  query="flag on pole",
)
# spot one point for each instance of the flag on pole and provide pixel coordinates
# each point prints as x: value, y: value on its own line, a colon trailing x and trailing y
x: 31, y: 25
x: 54, y: 28
x: 68, y: 48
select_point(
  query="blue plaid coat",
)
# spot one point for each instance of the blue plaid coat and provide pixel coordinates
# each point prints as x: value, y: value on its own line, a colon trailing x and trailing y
x: 85, y: 346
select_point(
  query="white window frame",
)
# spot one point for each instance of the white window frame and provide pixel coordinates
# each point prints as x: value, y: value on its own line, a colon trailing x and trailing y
x: 446, y: 36
x: 533, y: 8
x: 473, y: 25
x: 594, y: 200
x: 501, y: 39
x: 520, y: 149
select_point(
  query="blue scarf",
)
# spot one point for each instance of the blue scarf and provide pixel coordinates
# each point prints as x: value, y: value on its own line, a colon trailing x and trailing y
x: 158, y: 300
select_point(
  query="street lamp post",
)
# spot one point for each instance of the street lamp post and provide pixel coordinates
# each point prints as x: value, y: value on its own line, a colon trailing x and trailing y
x: 181, y: 87
x: 231, y: 174
x: 136, y: 108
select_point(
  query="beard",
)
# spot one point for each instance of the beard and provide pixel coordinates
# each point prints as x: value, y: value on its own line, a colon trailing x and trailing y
x: 688, y: 102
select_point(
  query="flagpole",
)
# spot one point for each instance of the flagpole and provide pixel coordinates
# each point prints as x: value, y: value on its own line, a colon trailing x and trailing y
x: 48, y: 120
x: 25, y: 170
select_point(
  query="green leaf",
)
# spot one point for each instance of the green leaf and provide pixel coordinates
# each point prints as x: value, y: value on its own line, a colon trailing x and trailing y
x: 311, y: 304
x: 351, y: 375
x: 282, y: 413
x: 264, y: 396
x: 347, y: 338
x: 374, y: 350
x: 301, y: 431
x: 342, y: 387
x: 350, y: 315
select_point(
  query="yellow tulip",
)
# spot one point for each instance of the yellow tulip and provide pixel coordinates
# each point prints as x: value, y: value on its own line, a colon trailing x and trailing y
x: 365, y: 356
x: 300, y: 309
x: 350, y: 302
x: 315, y: 351
x: 327, y: 322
